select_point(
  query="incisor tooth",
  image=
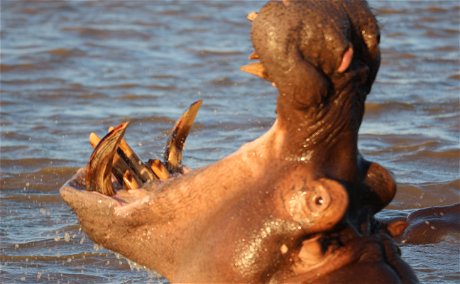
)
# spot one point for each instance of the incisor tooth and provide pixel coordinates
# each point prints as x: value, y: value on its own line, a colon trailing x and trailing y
x: 253, y: 56
x: 129, y: 181
x: 255, y: 68
x: 140, y: 171
x: 159, y: 169
x: 252, y: 16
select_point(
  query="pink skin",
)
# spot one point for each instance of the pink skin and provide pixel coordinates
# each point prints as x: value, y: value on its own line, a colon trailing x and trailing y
x: 197, y: 199
x: 296, y: 204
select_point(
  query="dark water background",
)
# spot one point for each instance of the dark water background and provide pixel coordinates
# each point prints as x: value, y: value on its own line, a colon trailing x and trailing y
x: 72, y: 67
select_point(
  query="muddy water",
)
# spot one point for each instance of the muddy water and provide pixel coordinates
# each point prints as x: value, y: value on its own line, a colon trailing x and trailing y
x: 72, y: 67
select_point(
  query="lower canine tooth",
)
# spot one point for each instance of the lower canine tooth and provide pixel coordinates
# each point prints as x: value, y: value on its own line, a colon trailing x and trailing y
x: 176, y: 141
x: 118, y: 165
x: 99, y: 170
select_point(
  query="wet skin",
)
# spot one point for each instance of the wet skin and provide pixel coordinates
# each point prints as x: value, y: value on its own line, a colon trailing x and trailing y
x: 296, y: 204
x: 427, y: 225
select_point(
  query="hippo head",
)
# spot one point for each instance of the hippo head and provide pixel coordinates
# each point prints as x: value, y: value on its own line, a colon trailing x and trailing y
x: 323, y: 59
x: 295, y: 205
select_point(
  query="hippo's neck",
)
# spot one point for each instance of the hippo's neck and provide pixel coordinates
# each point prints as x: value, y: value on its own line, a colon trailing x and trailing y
x: 324, y: 136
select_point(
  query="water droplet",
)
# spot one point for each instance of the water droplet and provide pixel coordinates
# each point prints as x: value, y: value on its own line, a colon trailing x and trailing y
x: 284, y: 249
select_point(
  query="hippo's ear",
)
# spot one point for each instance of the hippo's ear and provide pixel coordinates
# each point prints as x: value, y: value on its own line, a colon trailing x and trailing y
x: 381, y: 185
x: 317, y: 205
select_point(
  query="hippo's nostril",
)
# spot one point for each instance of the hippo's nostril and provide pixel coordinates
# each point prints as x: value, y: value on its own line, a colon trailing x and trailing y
x: 319, y: 201
x: 347, y: 58
x: 318, y: 206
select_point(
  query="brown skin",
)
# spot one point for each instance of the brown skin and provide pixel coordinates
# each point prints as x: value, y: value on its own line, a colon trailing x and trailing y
x: 296, y: 204
x: 427, y: 225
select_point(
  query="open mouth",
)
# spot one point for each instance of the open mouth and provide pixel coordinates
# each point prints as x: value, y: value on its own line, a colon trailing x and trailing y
x: 114, y: 166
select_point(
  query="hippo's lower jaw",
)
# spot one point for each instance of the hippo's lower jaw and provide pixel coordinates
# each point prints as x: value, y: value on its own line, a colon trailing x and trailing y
x: 140, y: 225
x: 267, y: 215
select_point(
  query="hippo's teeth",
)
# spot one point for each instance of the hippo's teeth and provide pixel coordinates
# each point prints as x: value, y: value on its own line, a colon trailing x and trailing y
x: 129, y: 182
x: 175, y: 144
x: 140, y: 171
x: 159, y: 169
x: 118, y: 165
x: 99, y: 173
x: 253, y: 56
x: 255, y: 68
x: 252, y: 16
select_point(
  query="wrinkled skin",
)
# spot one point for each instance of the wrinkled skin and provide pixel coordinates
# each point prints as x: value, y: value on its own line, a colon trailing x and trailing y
x: 294, y: 205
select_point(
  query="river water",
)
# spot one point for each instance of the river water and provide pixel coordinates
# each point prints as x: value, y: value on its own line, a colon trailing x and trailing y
x: 72, y: 67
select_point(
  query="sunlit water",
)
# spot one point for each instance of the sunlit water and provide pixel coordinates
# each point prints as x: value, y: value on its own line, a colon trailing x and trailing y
x: 72, y: 67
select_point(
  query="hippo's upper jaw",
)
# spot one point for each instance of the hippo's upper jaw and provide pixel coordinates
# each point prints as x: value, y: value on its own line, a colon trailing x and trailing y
x: 296, y: 204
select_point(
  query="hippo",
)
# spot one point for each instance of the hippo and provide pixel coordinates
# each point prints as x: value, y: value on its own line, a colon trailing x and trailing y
x: 426, y: 225
x: 295, y: 205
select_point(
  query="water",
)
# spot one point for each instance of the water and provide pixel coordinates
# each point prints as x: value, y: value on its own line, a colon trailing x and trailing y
x: 72, y: 67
